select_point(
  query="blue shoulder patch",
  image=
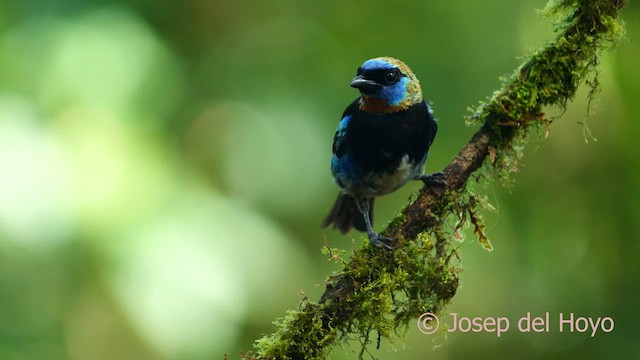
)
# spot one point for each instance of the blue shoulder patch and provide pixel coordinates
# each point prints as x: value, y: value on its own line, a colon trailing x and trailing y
x: 338, y: 138
x: 342, y: 126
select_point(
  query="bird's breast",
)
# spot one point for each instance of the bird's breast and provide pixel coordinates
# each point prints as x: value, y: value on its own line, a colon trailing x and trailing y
x: 357, y: 182
x: 390, y: 181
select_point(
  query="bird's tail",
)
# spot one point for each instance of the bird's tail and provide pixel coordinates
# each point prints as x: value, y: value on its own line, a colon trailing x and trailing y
x: 345, y: 214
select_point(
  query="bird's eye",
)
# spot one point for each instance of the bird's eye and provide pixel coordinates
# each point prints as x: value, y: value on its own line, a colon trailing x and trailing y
x: 391, y: 77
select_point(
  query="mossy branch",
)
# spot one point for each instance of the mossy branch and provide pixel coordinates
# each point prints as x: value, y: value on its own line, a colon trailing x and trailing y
x: 383, y: 291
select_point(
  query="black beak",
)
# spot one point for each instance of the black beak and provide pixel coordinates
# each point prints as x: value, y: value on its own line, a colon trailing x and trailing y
x: 365, y: 86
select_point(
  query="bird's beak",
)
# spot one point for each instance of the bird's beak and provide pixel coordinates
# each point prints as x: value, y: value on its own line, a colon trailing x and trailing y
x: 365, y: 86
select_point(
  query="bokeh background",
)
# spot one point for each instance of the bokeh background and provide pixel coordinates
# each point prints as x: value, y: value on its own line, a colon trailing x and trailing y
x: 164, y: 170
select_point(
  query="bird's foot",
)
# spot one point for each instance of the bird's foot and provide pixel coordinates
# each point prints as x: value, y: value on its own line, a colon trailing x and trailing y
x: 436, y: 179
x: 380, y: 241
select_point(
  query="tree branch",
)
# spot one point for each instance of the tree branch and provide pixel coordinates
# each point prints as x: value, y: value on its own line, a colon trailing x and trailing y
x: 383, y: 291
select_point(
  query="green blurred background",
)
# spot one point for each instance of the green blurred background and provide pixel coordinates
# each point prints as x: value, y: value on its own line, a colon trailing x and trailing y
x: 164, y: 170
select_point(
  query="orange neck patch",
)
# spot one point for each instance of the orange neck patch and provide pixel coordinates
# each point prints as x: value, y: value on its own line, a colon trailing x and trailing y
x: 377, y: 105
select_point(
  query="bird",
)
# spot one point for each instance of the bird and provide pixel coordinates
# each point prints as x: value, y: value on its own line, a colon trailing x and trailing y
x: 381, y: 143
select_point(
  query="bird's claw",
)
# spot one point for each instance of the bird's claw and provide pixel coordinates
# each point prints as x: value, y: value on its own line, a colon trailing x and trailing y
x: 433, y: 179
x: 380, y: 241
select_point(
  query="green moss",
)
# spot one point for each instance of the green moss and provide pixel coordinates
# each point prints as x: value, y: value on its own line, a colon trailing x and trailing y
x: 301, y: 330
x: 550, y: 77
x: 397, y: 221
x: 386, y: 291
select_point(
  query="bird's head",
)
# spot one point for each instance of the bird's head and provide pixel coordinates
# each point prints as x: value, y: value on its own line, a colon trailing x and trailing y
x: 386, y: 85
